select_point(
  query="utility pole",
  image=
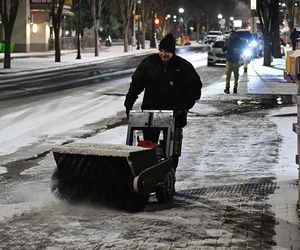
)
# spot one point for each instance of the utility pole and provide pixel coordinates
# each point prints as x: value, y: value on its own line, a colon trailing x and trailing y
x: 139, y: 24
x: 78, y: 29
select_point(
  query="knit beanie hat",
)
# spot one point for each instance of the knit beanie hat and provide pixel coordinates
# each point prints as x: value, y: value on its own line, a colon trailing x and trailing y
x: 168, y: 43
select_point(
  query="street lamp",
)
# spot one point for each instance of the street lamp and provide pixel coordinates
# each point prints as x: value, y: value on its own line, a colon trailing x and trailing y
x: 181, y: 24
x: 221, y: 21
x: 78, y: 30
x: 231, y: 20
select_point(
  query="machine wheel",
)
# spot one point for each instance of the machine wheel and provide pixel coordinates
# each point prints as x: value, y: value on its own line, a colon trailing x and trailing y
x: 165, y: 191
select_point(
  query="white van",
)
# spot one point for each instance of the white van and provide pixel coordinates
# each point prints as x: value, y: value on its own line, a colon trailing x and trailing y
x: 212, y: 36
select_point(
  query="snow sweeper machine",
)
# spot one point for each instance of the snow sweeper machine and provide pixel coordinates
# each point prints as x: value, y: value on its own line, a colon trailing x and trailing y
x: 122, y: 176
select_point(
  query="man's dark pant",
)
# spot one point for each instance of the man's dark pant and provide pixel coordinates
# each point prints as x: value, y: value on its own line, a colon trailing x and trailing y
x: 152, y: 134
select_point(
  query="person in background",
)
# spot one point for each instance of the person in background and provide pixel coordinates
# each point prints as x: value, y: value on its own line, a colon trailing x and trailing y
x: 169, y: 82
x: 294, y: 36
x: 234, y: 46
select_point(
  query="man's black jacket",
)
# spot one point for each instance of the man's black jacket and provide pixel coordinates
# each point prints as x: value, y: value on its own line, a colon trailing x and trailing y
x: 234, y: 47
x: 172, y: 86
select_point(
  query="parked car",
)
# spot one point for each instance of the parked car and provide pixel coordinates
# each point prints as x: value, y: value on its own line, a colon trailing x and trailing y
x: 216, y: 55
x: 212, y: 36
x: 226, y: 34
x: 254, y: 42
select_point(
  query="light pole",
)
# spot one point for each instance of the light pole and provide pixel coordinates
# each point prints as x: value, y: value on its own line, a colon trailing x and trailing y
x: 167, y: 18
x: 153, y: 36
x: 1, y: 32
x: 253, y: 9
x: 181, y: 24
x: 231, y: 20
x: 221, y: 21
x: 139, y: 23
x: 78, y: 30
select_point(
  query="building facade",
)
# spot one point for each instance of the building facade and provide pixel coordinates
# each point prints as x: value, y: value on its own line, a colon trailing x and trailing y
x: 32, y: 28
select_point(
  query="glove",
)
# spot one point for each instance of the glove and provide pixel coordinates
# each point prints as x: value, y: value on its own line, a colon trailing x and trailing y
x: 180, y: 118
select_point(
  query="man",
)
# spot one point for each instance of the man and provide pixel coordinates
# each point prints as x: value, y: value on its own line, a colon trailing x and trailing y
x: 234, y: 48
x: 170, y: 83
x: 294, y: 36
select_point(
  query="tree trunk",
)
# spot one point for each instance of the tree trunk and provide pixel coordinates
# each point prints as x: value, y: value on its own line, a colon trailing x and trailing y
x: 291, y: 14
x: 126, y: 38
x: 143, y: 36
x: 197, y: 32
x: 275, y: 30
x: 96, y: 41
x: 57, y: 45
x: 267, y: 51
x: 7, y: 54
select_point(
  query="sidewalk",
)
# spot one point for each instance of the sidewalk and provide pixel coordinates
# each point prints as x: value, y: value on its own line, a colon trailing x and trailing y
x: 280, y: 196
x: 262, y: 81
x: 36, y: 61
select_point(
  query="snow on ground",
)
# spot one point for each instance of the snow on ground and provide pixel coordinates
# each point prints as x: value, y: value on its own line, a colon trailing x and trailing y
x: 287, y: 168
x: 2, y: 170
x: 216, y: 150
x: 59, y: 115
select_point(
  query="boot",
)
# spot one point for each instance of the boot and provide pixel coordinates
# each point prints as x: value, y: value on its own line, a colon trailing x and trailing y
x: 235, y: 90
x: 226, y: 91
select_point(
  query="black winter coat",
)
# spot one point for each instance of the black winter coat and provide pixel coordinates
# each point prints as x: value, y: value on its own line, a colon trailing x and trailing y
x: 234, y: 47
x: 174, y: 86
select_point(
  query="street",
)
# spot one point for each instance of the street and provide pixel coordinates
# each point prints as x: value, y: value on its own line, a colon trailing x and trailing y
x: 238, y: 153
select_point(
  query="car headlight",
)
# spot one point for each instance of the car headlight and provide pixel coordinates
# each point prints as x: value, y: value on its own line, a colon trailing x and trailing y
x: 253, y: 43
x: 247, y: 52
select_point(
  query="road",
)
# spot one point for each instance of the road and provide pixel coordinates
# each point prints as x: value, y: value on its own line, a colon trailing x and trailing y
x: 225, y: 179
x: 43, y: 82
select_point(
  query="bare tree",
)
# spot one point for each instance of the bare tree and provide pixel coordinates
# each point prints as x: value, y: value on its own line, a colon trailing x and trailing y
x: 275, y: 36
x: 161, y: 7
x: 242, y: 11
x: 146, y: 10
x: 56, y: 8
x: 267, y: 13
x: 290, y: 13
x: 96, y: 7
x: 8, y: 12
x: 126, y: 7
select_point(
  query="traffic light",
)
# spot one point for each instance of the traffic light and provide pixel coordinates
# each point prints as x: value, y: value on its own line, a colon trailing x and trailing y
x: 156, y: 21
